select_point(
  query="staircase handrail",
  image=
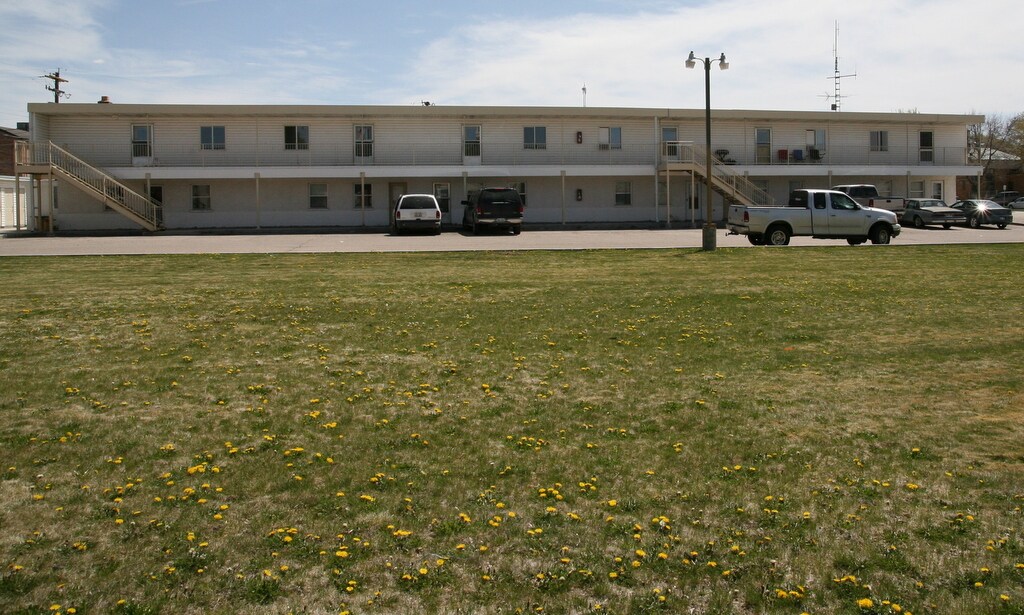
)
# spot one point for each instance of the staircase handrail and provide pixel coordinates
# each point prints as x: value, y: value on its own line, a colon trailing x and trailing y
x: 696, y: 155
x: 100, y: 182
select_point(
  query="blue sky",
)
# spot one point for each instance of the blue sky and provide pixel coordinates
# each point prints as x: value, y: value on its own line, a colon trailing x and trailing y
x: 933, y: 56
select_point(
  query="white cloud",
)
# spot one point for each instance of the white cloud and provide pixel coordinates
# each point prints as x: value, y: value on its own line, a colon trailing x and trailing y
x: 907, y: 55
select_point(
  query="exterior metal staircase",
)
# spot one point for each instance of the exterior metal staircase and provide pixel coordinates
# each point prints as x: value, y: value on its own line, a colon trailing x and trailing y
x: 47, y: 157
x: 734, y: 188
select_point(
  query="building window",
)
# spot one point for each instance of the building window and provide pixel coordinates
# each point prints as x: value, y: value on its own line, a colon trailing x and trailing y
x: 917, y: 189
x: 471, y: 140
x: 761, y: 184
x: 623, y: 193
x: 364, y: 196
x: 212, y: 137
x: 535, y: 137
x: 443, y: 194
x: 201, y: 197
x: 670, y: 141
x: 318, y: 196
x: 142, y: 140
x: 763, y: 145
x: 364, y: 142
x: 926, y: 144
x: 815, y: 144
x: 879, y: 140
x: 937, y: 190
x: 610, y: 138
x: 296, y: 137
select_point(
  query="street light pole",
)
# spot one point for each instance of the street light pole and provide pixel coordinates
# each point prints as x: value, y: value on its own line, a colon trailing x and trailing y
x: 710, y: 231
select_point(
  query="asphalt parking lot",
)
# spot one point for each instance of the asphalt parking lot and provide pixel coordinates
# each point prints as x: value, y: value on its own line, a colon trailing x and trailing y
x: 452, y: 241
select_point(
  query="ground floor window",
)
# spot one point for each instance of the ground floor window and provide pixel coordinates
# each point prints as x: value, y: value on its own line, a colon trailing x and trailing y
x: 623, y: 193
x: 201, y: 200
x: 917, y: 189
x: 937, y: 190
x: 318, y: 196
x: 364, y: 196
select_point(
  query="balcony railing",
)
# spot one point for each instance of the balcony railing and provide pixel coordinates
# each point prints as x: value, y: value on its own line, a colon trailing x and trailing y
x: 376, y: 154
x: 451, y: 154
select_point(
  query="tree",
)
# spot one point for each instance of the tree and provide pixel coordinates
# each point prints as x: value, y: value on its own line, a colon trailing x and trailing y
x: 987, y: 144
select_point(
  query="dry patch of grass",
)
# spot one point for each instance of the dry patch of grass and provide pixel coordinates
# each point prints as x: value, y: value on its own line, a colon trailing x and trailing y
x: 805, y: 430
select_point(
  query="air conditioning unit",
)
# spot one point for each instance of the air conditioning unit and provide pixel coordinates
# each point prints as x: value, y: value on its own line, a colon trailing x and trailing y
x: 603, y: 146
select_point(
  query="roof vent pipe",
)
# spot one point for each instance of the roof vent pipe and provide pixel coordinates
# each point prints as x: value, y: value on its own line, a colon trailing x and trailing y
x: 104, y: 100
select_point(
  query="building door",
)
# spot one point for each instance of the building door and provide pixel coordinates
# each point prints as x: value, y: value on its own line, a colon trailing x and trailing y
x: 763, y: 145
x: 142, y: 144
x: 395, y: 190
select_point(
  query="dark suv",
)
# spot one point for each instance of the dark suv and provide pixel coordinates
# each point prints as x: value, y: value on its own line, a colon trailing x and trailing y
x: 496, y: 208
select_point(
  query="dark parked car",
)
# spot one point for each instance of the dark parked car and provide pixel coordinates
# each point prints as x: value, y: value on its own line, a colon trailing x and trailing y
x: 1005, y: 197
x: 496, y: 208
x: 981, y: 212
x: 417, y: 212
x: 922, y: 212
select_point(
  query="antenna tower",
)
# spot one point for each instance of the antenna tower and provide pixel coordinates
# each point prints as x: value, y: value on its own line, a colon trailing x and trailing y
x: 55, y: 88
x: 837, y: 96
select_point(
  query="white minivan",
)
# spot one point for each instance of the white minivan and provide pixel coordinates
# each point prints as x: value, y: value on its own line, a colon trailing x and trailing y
x: 417, y: 212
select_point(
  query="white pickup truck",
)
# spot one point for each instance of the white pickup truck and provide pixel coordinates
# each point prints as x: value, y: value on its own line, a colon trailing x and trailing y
x: 867, y: 195
x: 822, y: 214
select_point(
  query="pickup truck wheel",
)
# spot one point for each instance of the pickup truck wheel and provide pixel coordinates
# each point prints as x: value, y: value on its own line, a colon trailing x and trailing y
x: 777, y: 236
x: 881, y: 235
x: 516, y: 230
x: 918, y: 222
x: 756, y: 240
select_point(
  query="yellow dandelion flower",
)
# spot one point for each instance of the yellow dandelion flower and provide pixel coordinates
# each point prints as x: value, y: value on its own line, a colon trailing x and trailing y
x: 865, y: 603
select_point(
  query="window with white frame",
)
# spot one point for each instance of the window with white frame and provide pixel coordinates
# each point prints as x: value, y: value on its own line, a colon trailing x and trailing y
x: 879, y: 140
x: 364, y: 141
x: 201, y: 200
x: 937, y: 190
x: 670, y: 141
x: 623, y: 193
x: 917, y: 189
x: 815, y: 143
x: 443, y: 194
x: 318, y: 196
x: 610, y: 137
x: 212, y: 137
x: 760, y: 184
x: 364, y: 196
x: 471, y: 141
x: 535, y: 137
x: 142, y: 140
x: 926, y: 144
x: 296, y: 137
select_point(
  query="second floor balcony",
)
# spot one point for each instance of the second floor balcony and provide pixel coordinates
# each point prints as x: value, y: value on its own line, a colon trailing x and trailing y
x: 458, y: 154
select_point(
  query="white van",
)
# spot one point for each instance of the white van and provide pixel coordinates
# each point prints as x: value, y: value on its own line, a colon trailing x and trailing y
x: 417, y: 212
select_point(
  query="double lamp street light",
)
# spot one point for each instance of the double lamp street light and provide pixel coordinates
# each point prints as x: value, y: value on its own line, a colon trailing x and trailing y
x: 710, y: 229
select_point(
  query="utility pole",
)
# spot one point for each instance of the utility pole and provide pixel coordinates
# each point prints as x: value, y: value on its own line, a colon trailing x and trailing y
x: 57, y: 80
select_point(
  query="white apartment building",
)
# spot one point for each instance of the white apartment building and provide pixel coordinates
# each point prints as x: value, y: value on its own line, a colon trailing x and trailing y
x: 98, y: 167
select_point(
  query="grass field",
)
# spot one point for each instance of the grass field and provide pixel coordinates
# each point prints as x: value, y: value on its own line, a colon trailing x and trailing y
x: 744, y: 431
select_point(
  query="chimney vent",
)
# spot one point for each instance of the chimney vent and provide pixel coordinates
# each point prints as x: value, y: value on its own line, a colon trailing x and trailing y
x: 104, y: 100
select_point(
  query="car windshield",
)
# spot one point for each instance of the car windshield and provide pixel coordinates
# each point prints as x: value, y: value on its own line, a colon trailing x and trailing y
x: 417, y: 202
